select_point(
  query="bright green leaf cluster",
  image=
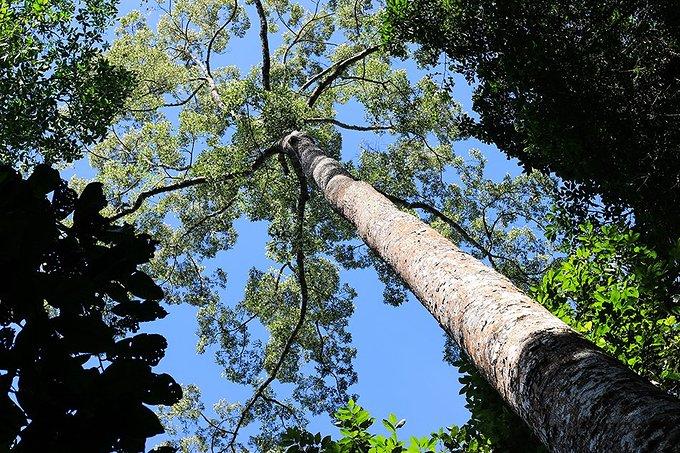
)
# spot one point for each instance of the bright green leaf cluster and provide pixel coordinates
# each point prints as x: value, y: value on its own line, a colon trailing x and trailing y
x: 616, y: 292
x: 353, y: 422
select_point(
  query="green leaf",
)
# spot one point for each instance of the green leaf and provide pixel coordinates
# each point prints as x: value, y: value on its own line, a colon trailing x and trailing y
x: 388, y: 425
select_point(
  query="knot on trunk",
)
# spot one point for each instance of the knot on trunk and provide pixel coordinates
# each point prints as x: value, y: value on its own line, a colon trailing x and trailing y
x: 289, y: 143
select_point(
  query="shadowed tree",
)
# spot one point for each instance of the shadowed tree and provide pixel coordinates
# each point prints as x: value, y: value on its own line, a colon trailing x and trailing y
x: 70, y: 377
x: 586, y: 90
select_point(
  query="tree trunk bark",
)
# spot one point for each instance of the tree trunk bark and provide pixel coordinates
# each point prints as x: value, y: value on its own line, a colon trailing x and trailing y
x: 574, y: 397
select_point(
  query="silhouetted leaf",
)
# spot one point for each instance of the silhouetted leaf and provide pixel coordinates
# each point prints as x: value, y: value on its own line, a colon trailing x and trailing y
x: 44, y: 179
x: 141, y: 285
x: 140, y: 311
x: 92, y: 199
x: 149, y: 348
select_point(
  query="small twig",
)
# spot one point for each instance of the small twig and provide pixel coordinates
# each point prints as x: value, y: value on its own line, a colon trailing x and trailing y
x: 175, y: 104
x: 300, y: 33
x: 280, y: 404
x: 324, y: 366
x: 213, y: 214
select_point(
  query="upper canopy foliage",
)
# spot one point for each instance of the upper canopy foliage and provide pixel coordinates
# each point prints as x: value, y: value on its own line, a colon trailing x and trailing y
x: 589, y: 90
x: 58, y: 93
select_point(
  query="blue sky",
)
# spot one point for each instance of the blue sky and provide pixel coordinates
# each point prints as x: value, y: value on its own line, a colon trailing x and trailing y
x: 399, y: 360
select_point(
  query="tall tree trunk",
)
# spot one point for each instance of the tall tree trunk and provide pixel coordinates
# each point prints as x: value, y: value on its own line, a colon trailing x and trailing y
x: 574, y: 397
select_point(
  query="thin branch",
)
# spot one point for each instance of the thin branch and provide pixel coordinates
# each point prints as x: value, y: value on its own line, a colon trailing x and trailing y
x: 304, y: 298
x: 324, y: 366
x: 348, y: 126
x: 242, y: 325
x: 334, y: 72
x: 486, y: 251
x: 290, y: 410
x: 266, y: 62
x: 301, y: 32
x: 174, y: 104
x: 212, y: 215
x: 279, y: 274
x: 448, y: 220
x: 129, y: 151
x: 159, y: 190
x: 214, y: 37
x: 382, y: 83
x: 212, y: 424
x: 194, y: 182
x: 217, y: 428
x: 214, y: 94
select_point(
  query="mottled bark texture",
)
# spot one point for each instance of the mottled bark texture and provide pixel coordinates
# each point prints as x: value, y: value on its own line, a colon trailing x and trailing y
x: 575, y: 397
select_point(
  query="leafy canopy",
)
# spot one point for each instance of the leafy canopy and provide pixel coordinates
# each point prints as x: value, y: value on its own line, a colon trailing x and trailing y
x: 58, y: 92
x: 588, y: 90
x: 194, y: 155
x: 617, y: 292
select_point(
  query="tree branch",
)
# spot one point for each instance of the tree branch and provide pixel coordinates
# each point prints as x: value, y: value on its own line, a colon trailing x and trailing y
x: 289, y: 409
x: 212, y: 215
x: 325, y: 367
x: 333, y: 72
x: 304, y: 298
x: 348, y: 126
x: 194, y: 182
x: 214, y: 37
x: 486, y: 251
x: 150, y: 193
x: 266, y: 61
x: 299, y: 34
x: 448, y: 220
x: 175, y: 104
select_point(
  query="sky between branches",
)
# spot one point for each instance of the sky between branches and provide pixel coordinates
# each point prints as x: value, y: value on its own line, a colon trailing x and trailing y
x: 399, y: 360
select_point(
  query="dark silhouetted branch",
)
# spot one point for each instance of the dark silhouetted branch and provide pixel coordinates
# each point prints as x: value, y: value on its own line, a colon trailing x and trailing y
x: 348, y: 126
x: 214, y: 37
x: 266, y: 62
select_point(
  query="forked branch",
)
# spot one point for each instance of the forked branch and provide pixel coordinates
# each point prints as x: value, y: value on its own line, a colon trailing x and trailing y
x: 333, y: 72
x: 261, y: 159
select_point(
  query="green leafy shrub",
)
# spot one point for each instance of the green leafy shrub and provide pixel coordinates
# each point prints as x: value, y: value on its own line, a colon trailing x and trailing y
x: 618, y: 293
